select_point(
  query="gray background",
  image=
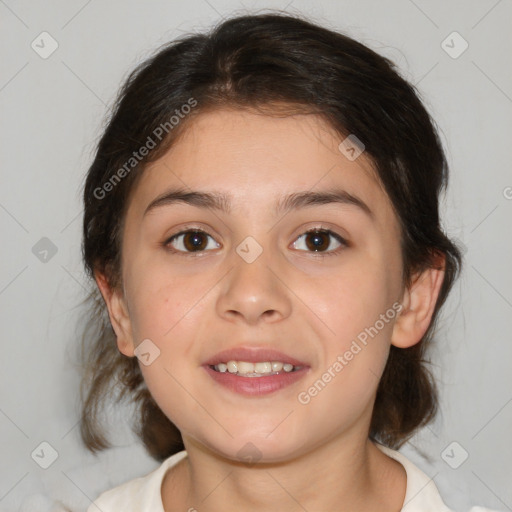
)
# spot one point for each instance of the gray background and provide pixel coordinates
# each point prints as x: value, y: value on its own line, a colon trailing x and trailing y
x: 51, y: 112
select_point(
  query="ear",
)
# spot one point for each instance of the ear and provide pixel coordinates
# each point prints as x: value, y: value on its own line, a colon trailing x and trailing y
x: 418, y: 303
x: 118, y: 313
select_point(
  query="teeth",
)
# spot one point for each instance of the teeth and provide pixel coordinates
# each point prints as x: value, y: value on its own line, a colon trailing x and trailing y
x: 221, y: 367
x: 276, y: 367
x: 263, y: 367
x: 244, y: 367
x: 259, y: 369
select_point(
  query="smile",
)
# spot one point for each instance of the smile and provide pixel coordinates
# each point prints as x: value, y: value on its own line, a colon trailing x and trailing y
x: 259, y: 369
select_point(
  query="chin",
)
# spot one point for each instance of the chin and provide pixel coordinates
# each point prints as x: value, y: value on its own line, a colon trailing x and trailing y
x: 254, y: 449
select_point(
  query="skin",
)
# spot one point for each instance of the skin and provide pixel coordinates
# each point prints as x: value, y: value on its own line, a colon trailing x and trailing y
x: 315, y: 456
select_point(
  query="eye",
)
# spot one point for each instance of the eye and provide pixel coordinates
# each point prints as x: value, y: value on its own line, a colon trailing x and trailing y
x: 316, y: 240
x: 193, y: 240
x: 319, y: 240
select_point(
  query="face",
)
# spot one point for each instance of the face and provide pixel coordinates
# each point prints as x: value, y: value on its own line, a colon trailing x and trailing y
x: 253, y: 277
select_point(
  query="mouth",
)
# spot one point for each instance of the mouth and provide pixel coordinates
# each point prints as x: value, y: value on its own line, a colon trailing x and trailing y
x: 255, y: 371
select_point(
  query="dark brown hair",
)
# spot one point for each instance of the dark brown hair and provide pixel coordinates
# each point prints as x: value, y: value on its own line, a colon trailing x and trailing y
x: 262, y: 62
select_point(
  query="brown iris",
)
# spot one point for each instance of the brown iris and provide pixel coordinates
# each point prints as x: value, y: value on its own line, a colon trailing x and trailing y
x: 195, y: 241
x: 316, y: 240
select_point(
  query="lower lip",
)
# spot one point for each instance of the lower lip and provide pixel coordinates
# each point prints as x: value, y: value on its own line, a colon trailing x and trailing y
x: 256, y: 386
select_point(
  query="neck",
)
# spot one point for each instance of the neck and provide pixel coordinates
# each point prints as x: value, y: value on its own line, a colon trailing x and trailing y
x: 353, y: 476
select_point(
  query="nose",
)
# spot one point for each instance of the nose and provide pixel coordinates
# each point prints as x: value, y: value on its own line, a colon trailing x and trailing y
x: 254, y: 292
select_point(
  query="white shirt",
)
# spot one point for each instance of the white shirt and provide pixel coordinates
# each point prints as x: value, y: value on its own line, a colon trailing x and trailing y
x: 144, y: 494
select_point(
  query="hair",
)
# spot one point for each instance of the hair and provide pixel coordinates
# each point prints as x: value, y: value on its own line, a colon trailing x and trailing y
x: 271, y: 63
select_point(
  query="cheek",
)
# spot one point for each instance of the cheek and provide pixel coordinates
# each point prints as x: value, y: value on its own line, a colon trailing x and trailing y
x: 167, y: 310
x: 161, y: 304
x: 358, y: 308
x: 352, y: 299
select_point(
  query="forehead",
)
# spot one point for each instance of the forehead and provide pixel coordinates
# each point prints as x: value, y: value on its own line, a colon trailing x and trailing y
x: 256, y: 159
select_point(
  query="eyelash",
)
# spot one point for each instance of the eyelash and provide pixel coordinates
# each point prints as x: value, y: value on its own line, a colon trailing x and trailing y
x: 317, y: 254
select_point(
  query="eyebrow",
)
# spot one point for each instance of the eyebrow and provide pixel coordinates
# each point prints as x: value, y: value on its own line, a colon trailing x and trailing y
x: 222, y: 202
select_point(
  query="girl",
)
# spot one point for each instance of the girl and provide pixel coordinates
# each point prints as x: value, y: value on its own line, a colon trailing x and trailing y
x: 261, y: 219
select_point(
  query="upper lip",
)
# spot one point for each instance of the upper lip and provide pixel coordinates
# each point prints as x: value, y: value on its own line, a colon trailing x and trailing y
x: 252, y: 355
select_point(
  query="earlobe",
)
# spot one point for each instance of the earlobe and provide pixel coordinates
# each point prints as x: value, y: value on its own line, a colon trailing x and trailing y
x: 419, y: 303
x: 118, y: 314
